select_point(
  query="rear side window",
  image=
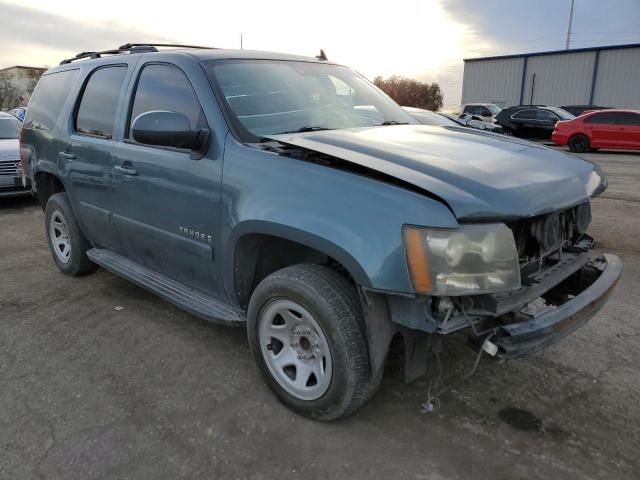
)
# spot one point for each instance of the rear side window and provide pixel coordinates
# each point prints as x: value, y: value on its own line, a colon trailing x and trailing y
x: 526, y: 115
x: 48, y: 98
x: 166, y: 87
x: 96, y: 112
x: 628, y: 118
x: 546, y: 115
x: 608, y: 118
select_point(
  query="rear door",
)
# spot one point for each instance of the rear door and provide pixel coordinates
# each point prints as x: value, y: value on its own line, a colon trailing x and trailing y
x: 629, y: 124
x: 167, y: 209
x: 87, y: 152
x: 546, y: 122
x: 603, y: 130
x: 525, y: 122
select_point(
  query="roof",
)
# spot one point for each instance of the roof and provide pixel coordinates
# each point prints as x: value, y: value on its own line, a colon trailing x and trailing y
x: 555, y: 52
x: 199, y: 53
x: 23, y: 67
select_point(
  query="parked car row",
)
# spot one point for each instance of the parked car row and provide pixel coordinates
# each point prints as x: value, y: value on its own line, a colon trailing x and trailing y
x: 581, y: 127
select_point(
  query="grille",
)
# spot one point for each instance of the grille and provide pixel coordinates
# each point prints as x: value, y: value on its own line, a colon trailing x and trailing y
x: 9, y: 168
x: 538, y: 237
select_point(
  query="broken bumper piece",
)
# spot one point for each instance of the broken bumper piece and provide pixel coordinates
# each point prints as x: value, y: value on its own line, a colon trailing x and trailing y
x: 586, y: 292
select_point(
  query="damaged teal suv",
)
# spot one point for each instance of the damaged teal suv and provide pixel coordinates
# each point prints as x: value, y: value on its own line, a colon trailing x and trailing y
x: 290, y: 196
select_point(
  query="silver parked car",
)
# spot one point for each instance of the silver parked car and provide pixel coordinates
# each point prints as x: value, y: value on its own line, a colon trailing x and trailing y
x: 11, y: 183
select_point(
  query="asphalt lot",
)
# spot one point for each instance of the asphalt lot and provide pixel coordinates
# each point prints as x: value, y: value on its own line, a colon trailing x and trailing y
x: 87, y: 391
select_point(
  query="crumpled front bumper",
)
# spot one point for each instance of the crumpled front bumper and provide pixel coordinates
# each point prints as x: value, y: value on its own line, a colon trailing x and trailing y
x: 536, y: 333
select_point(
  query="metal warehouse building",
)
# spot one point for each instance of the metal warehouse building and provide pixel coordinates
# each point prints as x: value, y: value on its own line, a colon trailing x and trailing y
x: 607, y: 76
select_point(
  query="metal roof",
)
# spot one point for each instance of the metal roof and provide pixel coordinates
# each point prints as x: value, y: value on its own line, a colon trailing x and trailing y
x: 555, y: 52
x: 22, y: 67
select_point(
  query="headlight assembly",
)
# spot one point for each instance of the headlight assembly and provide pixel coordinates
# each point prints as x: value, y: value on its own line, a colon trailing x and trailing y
x: 470, y: 260
x: 593, y: 183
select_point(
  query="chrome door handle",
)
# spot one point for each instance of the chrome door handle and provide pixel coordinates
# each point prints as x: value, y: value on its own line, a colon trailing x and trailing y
x: 126, y: 170
x: 67, y: 155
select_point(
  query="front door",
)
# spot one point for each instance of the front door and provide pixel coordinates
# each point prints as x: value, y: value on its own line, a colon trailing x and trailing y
x: 603, y: 130
x: 167, y: 205
x: 629, y: 125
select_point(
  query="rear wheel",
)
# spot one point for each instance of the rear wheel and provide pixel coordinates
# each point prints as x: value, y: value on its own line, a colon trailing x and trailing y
x: 579, y: 143
x: 67, y: 243
x: 307, y: 337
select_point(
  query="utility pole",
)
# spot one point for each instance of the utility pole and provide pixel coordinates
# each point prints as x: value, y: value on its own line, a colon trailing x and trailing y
x: 241, y: 40
x: 566, y: 47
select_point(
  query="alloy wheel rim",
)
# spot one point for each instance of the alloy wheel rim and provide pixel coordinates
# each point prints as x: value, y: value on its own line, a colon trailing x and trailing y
x: 295, y: 349
x: 59, y: 233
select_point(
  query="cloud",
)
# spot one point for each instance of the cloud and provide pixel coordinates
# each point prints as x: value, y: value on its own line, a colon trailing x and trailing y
x: 518, y: 27
x: 31, y: 35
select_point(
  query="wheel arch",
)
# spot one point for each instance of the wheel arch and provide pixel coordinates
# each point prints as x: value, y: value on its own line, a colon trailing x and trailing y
x: 286, y: 246
x: 46, y: 184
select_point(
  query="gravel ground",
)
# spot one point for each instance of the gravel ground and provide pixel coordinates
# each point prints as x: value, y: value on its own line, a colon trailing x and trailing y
x: 148, y: 391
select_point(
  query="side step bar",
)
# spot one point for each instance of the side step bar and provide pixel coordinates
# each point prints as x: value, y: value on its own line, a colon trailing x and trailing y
x: 197, y: 303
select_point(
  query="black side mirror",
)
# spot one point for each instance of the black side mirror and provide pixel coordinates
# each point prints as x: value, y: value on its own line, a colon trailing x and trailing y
x: 169, y: 129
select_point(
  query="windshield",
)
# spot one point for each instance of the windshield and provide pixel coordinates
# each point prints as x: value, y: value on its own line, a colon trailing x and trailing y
x: 494, y: 109
x: 562, y: 114
x: 267, y: 97
x: 10, y: 128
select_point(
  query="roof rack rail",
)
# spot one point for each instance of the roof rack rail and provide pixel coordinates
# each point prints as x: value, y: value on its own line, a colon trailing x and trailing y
x: 127, y: 48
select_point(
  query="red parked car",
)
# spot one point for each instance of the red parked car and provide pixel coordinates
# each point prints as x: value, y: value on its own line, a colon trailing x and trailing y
x: 599, y: 129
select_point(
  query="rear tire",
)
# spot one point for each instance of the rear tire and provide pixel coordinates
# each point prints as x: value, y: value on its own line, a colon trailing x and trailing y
x: 303, y: 320
x: 67, y: 243
x: 579, y: 144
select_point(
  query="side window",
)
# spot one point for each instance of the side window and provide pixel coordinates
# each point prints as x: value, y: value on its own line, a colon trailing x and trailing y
x: 468, y: 109
x: 484, y: 112
x: 96, y: 112
x: 546, y: 116
x: 607, y: 118
x: 525, y: 115
x: 628, y: 118
x: 48, y: 98
x: 166, y: 87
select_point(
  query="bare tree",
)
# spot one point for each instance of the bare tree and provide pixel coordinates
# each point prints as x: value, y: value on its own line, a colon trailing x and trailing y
x: 9, y: 93
x: 411, y: 93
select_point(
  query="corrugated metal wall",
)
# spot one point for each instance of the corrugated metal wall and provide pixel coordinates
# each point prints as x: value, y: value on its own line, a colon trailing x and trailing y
x: 493, y: 81
x: 618, y: 79
x: 560, y: 79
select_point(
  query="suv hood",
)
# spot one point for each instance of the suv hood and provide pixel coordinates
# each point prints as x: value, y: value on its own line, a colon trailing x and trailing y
x: 478, y: 175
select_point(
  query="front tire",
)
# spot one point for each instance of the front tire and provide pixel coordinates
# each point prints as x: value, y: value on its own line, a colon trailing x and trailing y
x: 579, y: 144
x: 67, y: 243
x: 306, y: 334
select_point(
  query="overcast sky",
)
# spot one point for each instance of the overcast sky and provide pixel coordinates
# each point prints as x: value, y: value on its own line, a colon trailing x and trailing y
x: 424, y: 39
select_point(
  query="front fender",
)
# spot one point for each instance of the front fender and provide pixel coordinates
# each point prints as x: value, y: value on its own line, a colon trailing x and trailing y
x: 354, y: 219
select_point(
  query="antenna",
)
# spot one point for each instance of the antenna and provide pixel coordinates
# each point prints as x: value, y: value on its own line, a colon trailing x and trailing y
x: 322, y: 55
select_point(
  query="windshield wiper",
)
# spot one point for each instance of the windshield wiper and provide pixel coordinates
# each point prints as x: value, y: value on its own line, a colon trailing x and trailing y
x: 391, y: 122
x: 306, y: 129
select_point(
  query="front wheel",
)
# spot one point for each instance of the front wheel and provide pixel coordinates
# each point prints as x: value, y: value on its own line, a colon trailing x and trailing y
x: 579, y: 144
x: 305, y: 332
